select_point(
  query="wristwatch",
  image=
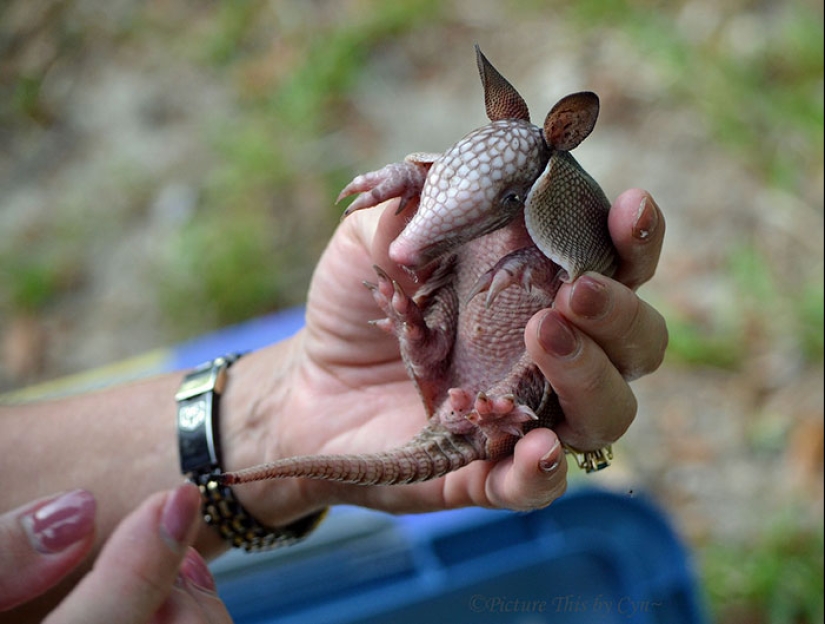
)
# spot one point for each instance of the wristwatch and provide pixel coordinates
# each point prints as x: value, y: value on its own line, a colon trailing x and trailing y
x: 198, y: 422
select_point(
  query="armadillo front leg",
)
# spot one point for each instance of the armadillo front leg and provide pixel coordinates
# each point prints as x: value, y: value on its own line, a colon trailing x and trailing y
x: 528, y: 268
x: 403, y: 180
x: 424, y: 341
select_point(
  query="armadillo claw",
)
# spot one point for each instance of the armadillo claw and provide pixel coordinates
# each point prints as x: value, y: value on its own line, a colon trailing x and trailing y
x: 526, y: 267
x: 460, y: 399
x: 495, y: 416
x: 383, y: 324
x: 398, y: 180
x: 486, y: 406
x: 403, y: 314
x: 509, y: 420
x: 497, y: 408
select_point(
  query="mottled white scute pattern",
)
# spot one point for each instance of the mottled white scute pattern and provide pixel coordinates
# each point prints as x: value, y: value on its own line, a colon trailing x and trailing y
x: 463, y: 186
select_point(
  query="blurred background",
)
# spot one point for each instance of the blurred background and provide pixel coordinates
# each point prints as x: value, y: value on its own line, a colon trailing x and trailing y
x: 169, y: 167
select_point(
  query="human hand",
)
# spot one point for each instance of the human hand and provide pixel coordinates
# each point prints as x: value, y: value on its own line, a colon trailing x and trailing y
x: 146, y: 571
x: 600, y: 335
x: 347, y: 389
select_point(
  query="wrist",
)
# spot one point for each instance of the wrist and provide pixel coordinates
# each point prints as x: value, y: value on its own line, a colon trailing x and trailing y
x: 203, y: 427
x: 245, y: 418
x: 253, y: 406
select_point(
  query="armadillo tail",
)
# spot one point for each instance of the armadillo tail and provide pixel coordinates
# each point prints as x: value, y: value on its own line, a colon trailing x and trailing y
x: 428, y: 456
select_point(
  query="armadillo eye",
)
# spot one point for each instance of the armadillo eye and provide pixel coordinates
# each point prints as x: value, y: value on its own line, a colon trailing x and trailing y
x: 511, y: 201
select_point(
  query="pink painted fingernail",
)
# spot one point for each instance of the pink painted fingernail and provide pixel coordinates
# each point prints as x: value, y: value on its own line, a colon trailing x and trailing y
x: 179, y: 512
x: 196, y: 572
x: 64, y: 520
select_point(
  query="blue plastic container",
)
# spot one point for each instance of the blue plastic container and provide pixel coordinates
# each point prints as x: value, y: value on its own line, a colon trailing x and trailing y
x: 591, y: 557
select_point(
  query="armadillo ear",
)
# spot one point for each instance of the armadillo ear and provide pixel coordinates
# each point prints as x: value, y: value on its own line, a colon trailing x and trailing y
x: 571, y: 120
x: 500, y: 97
x: 566, y: 216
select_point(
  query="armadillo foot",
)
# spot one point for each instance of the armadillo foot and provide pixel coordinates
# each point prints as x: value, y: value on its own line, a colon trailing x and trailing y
x: 403, y: 314
x: 527, y: 267
x: 494, y: 415
x: 423, y: 347
x: 404, y: 180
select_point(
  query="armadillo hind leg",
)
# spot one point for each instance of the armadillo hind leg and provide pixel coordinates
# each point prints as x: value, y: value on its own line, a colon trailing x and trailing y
x: 498, y: 419
x: 566, y: 216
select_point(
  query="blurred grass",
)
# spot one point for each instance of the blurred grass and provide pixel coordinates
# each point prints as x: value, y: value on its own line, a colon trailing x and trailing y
x: 759, y: 84
x: 775, y: 580
x: 269, y: 161
x: 758, y: 81
x: 33, y: 281
x: 762, y: 313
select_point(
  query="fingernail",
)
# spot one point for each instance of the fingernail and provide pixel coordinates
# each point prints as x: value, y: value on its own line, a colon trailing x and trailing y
x: 61, y: 522
x: 179, y: 513
x: 590, y: 298
x: 552, y: 459
x: 196, y: 572
x: 556, y: 337
x: 647, y: 218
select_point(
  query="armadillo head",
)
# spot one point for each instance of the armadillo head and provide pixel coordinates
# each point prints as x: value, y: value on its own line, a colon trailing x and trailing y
x: 477, y: 186
x: 507, y: 168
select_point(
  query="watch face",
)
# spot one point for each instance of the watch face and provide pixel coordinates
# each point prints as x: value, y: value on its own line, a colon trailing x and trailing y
x: 192, y: 415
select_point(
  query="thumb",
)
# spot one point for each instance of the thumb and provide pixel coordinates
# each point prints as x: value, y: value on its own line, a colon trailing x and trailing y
x: 136, y: 570
x: 42, y: 542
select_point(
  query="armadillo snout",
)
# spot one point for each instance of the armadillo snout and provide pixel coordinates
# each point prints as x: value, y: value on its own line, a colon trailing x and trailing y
x: 462, y: 197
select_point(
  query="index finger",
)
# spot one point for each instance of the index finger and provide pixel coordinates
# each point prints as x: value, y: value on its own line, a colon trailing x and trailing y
x: 137, y: 567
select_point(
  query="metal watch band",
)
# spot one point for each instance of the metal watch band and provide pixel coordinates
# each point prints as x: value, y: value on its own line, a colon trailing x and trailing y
x: 222, y: 510
x: 198, y: 423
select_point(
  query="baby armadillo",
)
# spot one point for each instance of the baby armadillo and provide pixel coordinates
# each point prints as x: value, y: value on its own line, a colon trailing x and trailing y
x: 508, y: 212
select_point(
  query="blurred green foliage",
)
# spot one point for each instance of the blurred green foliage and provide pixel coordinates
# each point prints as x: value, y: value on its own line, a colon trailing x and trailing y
x: 250, y: 246
x: 39, y: 266
x: 268, y: 157
x: 222, y: 268
x: 763, y: 311
x: 765, y: 102
x: 774, y: 580
x: 33, y: 280
x: 695, y: 344
x: 811, y: 312
x: 762, y: 95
